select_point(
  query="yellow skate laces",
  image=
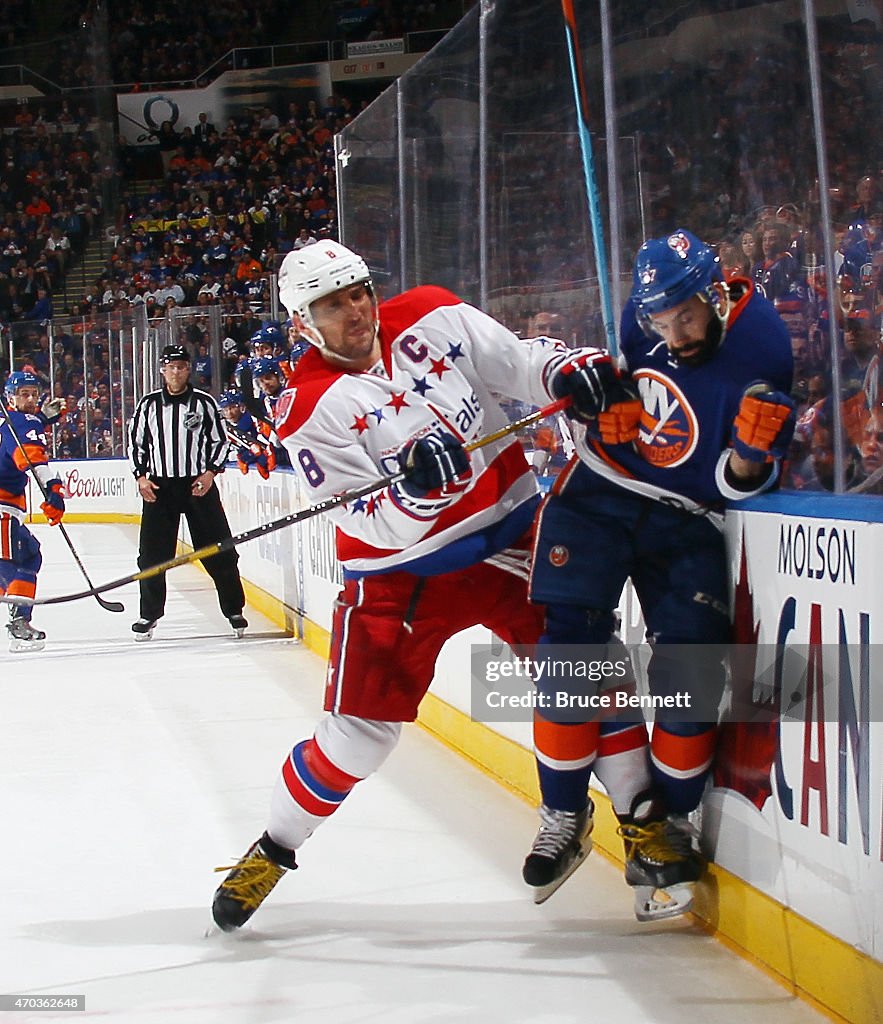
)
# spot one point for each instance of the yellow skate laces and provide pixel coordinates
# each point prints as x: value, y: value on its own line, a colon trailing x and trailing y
x: 251, y: 880
x: 653, y: 841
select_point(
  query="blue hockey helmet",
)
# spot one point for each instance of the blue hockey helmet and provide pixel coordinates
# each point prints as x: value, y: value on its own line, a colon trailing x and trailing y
x: 262, y: 366
x: 298, y: 349
x: 228, y: 398
x: 20, y: 379
x: 271, y: 334
x: 669, y: 271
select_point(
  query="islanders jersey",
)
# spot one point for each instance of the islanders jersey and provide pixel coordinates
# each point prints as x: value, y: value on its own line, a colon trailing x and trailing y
x: 266, y: 430
x: 688, y: 411
x: 13, y: 463
x: 441, y: 363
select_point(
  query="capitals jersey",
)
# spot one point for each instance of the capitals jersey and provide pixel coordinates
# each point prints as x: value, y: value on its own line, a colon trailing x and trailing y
x: 688, y: 411
x: 13, y: 463
x: 441, y: 362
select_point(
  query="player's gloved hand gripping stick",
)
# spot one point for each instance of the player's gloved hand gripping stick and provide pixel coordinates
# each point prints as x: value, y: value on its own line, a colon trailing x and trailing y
x: 601, y: 396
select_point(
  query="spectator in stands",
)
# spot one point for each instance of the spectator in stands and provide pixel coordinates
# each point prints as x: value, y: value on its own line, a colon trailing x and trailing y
x: 268, y: 122
x: 202, y: 368
x: 168, y: 141
x: 868, y: 203
x: 304, y: 237
x: 170, y: 290
x: 734, y: 262
x: 872, y: 449
x: 777, y: 273
x: 202, y: 129
x: 41, y: 311
x: 247, y: 267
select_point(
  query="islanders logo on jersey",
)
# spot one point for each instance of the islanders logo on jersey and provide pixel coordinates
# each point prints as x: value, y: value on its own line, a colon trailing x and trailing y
x: 668, y: 430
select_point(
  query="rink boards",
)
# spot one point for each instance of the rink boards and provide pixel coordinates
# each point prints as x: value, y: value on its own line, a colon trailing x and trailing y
x: 796, y: 832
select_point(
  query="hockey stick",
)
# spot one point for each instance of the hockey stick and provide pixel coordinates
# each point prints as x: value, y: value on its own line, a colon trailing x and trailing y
x: 593, y: 193
x: 244, y: 440
x: 294, y: 517
x: 110, y: 606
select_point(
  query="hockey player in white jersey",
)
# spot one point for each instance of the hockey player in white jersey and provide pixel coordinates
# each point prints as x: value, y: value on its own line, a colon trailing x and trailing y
x: 405, y: 384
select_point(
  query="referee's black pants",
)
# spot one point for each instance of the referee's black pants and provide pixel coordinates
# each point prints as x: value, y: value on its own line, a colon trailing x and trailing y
x: 158, y: 539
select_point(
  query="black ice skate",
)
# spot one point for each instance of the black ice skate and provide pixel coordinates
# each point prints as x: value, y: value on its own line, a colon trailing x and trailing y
x: 143, y: 629
x: 239, y: 624
x: 561, y: 845
x: 250, y: 882
x: 23, y: 636
x: 661, y: 864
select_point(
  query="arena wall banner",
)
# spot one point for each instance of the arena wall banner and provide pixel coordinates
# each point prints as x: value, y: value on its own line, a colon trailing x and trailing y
x: 95, y: 489
x: 234, y: 94
x: 797, y: 809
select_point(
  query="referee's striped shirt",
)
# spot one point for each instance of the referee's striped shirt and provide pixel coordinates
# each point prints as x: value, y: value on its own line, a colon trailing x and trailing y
x: 177, y: 435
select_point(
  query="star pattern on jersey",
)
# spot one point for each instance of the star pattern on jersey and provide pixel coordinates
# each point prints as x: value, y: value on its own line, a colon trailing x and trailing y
x: 361, y: 423
x: 455, y: 352
x: 377, y: 414
x: 398, y: 402
x: 439, y: 367
x: 369, y: 506
x: 421, y: 385
x: 374, y: 503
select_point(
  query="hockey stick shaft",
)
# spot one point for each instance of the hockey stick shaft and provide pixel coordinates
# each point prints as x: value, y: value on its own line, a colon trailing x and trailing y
x: 295, y: 517
x: 243, y: 440
x: 593, y: 193
x: 111, y: 606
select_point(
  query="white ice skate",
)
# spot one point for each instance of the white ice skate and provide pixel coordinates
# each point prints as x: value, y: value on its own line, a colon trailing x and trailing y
x: 23, y: 636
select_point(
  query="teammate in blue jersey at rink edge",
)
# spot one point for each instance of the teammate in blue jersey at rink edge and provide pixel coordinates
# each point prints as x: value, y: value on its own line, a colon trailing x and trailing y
x: 23, y: 451
x: 696, y: 413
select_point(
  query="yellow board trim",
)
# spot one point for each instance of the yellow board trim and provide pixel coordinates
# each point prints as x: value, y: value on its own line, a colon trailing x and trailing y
x: 820, y: 968
x: 89, y: 517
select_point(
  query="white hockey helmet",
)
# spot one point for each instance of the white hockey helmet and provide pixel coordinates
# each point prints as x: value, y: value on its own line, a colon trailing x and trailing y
x: 315, y: 271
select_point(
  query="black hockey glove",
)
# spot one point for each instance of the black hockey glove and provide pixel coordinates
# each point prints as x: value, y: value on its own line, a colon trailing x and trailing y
x: 436, y: 466
x: 590, y: 379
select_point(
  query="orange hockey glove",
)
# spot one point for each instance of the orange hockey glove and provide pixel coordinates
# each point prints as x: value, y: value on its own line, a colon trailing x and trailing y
x: 53, y: 506
x: 764, y: 424
x: 619, y: 424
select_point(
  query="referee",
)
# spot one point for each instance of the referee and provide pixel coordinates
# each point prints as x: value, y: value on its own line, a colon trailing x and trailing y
x: 178, y: 447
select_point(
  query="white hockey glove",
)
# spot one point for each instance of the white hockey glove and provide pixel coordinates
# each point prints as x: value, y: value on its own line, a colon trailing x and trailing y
x: 51, y: 408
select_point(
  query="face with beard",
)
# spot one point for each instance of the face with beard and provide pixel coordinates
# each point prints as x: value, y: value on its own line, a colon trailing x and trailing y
x: 691, y: 331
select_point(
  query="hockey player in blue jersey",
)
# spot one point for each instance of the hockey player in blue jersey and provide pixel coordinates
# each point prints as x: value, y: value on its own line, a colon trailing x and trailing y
x: 270, y: 377
x: 250, y: 446
x: 23, y: 450
x: 697, y: 413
